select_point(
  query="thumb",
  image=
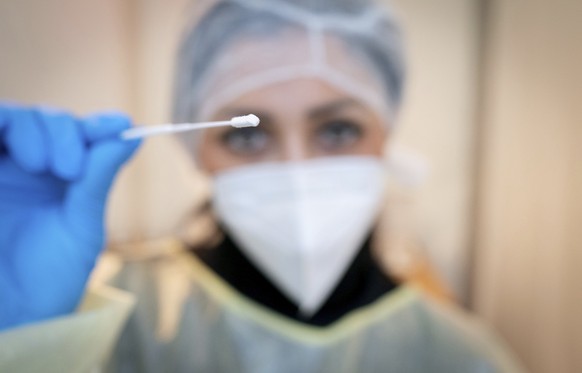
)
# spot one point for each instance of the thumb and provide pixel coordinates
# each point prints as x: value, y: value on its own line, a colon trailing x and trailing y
x: 85, y: 202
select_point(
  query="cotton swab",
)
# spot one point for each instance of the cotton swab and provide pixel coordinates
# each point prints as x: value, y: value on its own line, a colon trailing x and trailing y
x: 250, y: 120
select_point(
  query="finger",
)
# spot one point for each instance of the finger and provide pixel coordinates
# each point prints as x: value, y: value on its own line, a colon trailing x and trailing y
x: 4, y: 110
x: 105, y: 126
x: 107, y: 152
x: 25, y: 140
x: 66, y: 145
x: 86, y: 198
x: 3, y: 124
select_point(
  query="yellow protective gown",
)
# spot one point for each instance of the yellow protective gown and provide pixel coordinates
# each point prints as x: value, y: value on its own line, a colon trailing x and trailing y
x: 81, y: 342
x: 187, y: 319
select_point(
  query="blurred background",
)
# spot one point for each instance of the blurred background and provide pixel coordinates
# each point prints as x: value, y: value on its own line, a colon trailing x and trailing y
x: 494, y: 106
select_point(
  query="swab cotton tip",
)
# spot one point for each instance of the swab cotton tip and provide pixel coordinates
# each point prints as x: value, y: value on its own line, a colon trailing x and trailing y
x: 250, y: 120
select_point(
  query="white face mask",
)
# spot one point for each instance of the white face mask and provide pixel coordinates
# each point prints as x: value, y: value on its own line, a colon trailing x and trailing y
x: 302, y: 223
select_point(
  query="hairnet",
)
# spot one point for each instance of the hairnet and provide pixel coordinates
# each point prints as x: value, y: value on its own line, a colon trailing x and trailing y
x: 238, y: 46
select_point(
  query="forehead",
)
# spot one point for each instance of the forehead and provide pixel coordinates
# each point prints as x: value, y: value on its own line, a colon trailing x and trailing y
x: 297, y: 101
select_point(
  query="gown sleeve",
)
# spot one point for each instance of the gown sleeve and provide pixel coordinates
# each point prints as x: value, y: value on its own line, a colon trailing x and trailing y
x: 460, y: 343
x: 79, y: 342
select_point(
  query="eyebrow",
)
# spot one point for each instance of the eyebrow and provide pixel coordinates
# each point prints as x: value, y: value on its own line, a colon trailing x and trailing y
x: 332, y: 107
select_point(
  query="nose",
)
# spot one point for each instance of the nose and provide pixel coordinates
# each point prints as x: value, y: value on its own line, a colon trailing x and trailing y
x: 294, y: 147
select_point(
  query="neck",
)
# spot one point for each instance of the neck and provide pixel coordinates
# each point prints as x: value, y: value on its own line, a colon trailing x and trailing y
x: 362, y: 284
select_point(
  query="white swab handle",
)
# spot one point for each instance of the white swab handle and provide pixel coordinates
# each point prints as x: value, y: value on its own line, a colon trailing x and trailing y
x: 250, y: 120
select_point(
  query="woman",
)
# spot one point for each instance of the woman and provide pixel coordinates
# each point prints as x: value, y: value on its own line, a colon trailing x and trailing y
x: 292, y: 284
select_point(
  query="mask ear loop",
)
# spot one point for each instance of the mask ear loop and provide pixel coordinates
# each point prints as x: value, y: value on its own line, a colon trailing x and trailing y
x: 407, y: 167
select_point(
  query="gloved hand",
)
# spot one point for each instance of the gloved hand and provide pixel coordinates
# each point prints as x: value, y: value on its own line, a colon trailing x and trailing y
x: 55, y: 174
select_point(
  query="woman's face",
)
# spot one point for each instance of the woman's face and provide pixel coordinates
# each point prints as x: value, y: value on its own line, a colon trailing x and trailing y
x: 300, y: 119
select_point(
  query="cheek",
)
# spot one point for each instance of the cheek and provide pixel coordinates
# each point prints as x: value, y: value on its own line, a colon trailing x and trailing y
x: 211, y: 157
x: 376, y: 137
x: 204, y: 156
x: 375, y: 140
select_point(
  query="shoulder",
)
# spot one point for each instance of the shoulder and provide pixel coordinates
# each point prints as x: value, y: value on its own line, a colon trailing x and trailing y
x: 156, y: 276
x: 155, y: 273
x: 460, y: 342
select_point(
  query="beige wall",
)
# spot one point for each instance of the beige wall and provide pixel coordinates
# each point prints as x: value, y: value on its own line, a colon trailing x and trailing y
x: 167, y: 184
x: 74, y: 54
x: 438, y: 122
x: 529, y: 238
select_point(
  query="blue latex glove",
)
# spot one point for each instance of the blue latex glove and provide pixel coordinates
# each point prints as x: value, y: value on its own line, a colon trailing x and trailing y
x: 55, y: 174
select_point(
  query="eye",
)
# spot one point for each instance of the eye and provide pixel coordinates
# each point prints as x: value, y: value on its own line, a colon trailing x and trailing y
x: 338, y: 134
x: 246, y: 141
